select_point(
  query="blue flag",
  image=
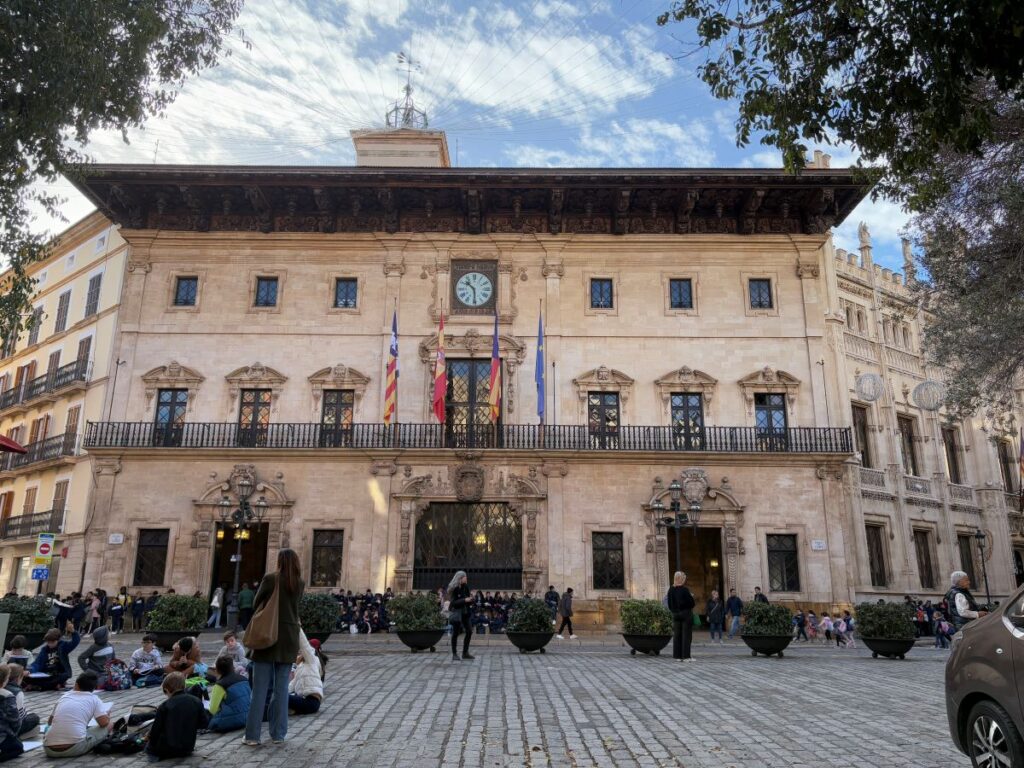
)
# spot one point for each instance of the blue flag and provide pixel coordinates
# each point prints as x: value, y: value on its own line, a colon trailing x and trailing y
x: 538, y: 371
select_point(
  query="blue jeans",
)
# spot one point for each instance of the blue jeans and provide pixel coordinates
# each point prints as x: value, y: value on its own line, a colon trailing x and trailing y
x: 734, y: 627
x: 263, y: 673
x: 214, y: 618
x: 716, y: 627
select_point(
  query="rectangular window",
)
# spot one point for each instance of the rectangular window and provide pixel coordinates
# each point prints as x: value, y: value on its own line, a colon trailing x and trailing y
x: 254, y: 417
x: 63, y: 305
x: 60, y: 495
x: 907, y: 448
x: 687, y: 420
x: 336, y: 418
x: 467, y: 405
x: 30, y: 501
x: 151, y: 557
x: 860, y: 435
x: 84, y: 348
x: 345, y: 292
x: 92, y: 296
x: 923, y: 549
x: 965, y: 543
x: 171, y: 405
x: 1007, y: 466
x: 783, y: 563
x: 770, y: 421
x: 185, y: 290
x: 71, y: 422
x: 37, y: 322
x: 680, y: 293
x: 952, y: 451
x: 22, y: 572
x: 760, y: 293
x: 9, y: 344
x: 609, y: 562
x: 327, y: 551
x: 266, y: 292
x: 601, y: 293
x: 603, y: 419
x: 876, y: 554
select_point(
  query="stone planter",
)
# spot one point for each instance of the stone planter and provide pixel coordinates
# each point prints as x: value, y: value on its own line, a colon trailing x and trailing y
x: 891, y: 649
x: 165, y: 639
x: 530, y: 641
x: 649, y: 644
x: 421, y: 639
x: 32, y: 640
x: 767, y: 645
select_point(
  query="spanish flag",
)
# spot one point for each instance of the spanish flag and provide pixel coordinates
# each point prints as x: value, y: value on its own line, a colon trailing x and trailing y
x: 494, y: 397
x: 391, y: 376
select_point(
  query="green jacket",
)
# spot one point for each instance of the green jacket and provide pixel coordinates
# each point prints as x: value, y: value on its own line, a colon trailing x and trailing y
x: 245, y: 598
x: 287, y: 646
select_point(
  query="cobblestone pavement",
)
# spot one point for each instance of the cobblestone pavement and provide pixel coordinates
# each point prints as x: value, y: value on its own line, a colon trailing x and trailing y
x: 590, y: 703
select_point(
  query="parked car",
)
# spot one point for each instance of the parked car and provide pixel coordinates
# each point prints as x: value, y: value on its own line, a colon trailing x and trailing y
x: 985, y: 687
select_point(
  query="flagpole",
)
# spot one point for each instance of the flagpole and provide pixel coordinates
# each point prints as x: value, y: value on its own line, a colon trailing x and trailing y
x: 554, y: 393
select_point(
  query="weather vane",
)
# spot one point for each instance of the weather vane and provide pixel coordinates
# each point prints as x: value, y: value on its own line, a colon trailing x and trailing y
x: 404, y: 113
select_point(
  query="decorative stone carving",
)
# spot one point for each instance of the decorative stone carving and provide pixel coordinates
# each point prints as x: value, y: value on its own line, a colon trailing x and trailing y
x: 772, y: 381
x: 474, y: 344
x: 174, y: 375
x: 686, y: 379
x: 603, y: 379
x: 468, y: 480
x: 255, y: 376
x: 337, y: 377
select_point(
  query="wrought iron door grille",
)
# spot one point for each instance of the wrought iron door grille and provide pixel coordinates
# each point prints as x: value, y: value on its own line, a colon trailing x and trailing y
x: 485, y: 540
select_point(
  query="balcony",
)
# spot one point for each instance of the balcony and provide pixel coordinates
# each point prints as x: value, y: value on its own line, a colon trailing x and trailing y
x: 53, y: 450
x: 52, y: 384
x: 962, y: 493
x: 1016, y: 524
x: 918, y: 486
x: 522, y: 437
x: 872, y: 477
x: 30, y: 526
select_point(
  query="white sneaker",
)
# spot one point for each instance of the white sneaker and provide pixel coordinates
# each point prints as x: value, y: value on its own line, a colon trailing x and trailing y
x: 573, y: 637
x: 560, y: 637
x: 689, y: 659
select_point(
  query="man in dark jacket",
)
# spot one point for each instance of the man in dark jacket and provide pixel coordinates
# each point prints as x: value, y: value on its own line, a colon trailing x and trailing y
x: 54, y: 660
x: 759, y: 596
x: 734, y: 607
x: 680, y: 603
x: 173, y: 733
x: 565, y: 608
x: 551, y: 601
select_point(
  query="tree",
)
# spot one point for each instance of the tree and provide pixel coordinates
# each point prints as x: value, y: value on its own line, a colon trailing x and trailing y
x: 68, y: 68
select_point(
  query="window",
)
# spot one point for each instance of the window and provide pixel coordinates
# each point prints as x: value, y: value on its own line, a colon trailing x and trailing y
x: 336, y: 418
x: 345, y: 292
x: 783, y: 565
x: 37, y: 322
x: 100, y: 242
x: 601, y: 293
x: 1007, y: 466
x: 9, y: 344
x: 849, y: 317
x: 770, y: 420
x: 254, y: 417
x: 185, y: 290
x: 906, y: 337
x: 71, y: 422
x: 171, y: 405
x: 69, y: 262
x: 876, y: 554
x: 603, y: 418
x: 151, y: 558
x: 63, y: 304
x: 60, y: 495
x: 29, y: 507
x: 965, y: 543
x: 923, y: 549
x: 862, y: 325
x: 952, y: 451
x: 760, y: 293
x: 84, y: 348
x: 325, y: 570
x: 680, y: 293
x: 609, y: 563
x: 52, y: 365
x: 467, y: 405
x: 92, y: 296
x: 687, y: 420
x: 266, y: 292
x: 907, y: 440
x: 22, y: 571
x: 860, y: 435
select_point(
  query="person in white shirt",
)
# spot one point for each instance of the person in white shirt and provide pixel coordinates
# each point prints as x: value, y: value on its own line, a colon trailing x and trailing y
x: 962, y: 606
x: 306, y: 689
x: 69, y: 734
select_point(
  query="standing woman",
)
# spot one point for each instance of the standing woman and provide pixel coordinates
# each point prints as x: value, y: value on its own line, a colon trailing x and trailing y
x: 458, y: 614
x: 271, y: 666
x: 681, y: 603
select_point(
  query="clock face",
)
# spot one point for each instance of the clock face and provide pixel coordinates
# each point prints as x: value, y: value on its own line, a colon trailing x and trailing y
x: 474, y: 289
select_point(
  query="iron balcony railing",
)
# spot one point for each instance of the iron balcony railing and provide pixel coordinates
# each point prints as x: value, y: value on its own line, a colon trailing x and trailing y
x: 24, y: 526
x: 42, y: 450
x: 51, y: 381
x: 527, y: 437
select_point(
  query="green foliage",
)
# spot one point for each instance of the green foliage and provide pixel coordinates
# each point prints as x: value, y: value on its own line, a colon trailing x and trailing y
x: 529, y: 614
x: 886, y: 621
x: 28, y: 614
x: 416, y: 613
x: 178, y: 612
x: 645, y: 617
x: 318, y: 612
x: 766, y: 619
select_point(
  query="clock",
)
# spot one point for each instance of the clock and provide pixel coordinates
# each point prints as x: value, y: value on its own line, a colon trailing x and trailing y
x: 474, y: 289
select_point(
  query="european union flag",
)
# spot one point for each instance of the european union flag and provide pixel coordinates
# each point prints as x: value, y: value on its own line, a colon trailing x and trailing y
x: 538, y: 371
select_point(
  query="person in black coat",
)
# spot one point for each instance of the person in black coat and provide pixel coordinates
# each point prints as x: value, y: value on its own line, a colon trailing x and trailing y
x: 680, y: 603
x: 459, y: 600
x: 178, y: 719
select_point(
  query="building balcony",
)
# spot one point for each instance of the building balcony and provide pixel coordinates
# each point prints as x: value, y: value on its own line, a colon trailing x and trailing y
x: 872, y: 477
x: 1016, y: 524
x: 961, y: 493
x: 52, y: 451
x: 917, y: 486
x: 30, y: 526
x: 523, y: 437
x: 46, y: 388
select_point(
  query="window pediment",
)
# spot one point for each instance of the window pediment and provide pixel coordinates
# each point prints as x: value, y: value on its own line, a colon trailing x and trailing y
x: 472, y: 344
x: 255, y: 376
x: 686, y: 379
x: 174, y: 375
x: 338, y: 376
x: 603, y: 379
x: 769, y: 380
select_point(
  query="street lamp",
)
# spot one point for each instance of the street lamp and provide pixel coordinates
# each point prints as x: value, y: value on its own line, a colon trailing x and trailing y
x: 980, y: 537
x: 241, y: 519
x: 679, y: 518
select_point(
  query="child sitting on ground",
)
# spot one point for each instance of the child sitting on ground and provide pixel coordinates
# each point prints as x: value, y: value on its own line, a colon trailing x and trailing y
x: 69, y: 734
x: 234, y: 650
x: 52, y: 667
x: 229, y: 697
x: 27, y: 720
x: 321, y: 657
x: 18, y: 653
x: 184, y: 657
x: 95, y: 657
x: 10, y: 746
x: 178, y: 720
x: 306, y: 689
x: 145, y: 664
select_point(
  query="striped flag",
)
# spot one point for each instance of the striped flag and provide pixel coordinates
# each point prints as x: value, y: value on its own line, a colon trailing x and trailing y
x: 1020, y: 478
x: 391, y: 378
x: 440, y: 375
x: 494, y: 397
x: 538, y: 370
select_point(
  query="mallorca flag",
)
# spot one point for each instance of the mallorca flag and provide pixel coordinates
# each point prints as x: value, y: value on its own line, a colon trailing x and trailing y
x: 391, y: 378
x: 440, y: 375
x: 538, y: 371
x: 494, y: 398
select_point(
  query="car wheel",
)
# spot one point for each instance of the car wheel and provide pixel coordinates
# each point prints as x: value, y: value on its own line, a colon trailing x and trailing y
x: 992, y: 740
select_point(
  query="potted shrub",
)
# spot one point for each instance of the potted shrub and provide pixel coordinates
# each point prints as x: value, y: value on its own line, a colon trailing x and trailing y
x: 887, y: 629
x: 176, y: 616
x: 646, y: 625
x: 767, y: 628
x: 318, y: 615
x: 418, y: 620
x: 529, y: 625
x: 30, y: 617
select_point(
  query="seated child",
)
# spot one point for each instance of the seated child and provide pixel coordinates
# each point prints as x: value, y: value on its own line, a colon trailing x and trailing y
x: 145, y: 664
x: 95, y: 657
x: 52, y: 667
x: 229, y: 697
x: 10, y: 746
x: 184, y: 657
x: 321, y: 657
x: 306, y: 689
x: 28, y: 720
x: 234, y: 650
x: 178, y: 719
x: 69, y: 734
x: 18, y: 654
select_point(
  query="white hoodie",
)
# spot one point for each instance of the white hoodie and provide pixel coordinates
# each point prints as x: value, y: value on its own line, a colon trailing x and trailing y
x: 306, y: 680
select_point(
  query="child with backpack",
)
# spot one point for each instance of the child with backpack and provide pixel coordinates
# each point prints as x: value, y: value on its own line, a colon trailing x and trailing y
x: 229, y: 697
x: 178, y: 720
x: 95, y: 657
x: 27, y: 720
x: 145, y: 665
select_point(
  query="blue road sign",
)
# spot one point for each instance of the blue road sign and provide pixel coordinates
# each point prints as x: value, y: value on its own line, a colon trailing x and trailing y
x: 40, y: 574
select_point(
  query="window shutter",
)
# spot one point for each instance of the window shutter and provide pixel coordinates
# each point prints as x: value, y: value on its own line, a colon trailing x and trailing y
x: 84, y: 346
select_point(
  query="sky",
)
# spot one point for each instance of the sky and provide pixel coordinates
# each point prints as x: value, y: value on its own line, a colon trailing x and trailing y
x: 551, y: 83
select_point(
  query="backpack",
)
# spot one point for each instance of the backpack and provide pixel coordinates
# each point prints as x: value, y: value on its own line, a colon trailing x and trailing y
x: 117, y: 676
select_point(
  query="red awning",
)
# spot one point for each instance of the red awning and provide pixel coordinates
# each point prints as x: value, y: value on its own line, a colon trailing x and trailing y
x: 6, y: 444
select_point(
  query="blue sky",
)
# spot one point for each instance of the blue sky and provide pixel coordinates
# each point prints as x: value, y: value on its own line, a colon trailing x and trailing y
x: 529, y: 83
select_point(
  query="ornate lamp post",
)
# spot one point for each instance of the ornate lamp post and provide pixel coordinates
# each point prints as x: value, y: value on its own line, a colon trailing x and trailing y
x: 980, y: 537
x: 693, y: 488
x: 241, y: 519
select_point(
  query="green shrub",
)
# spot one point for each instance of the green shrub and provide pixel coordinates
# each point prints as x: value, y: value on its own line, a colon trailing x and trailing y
x: 885, y: 621
x: 416, y: 613
x: 645, y: 617
x: 28, y: 614
x: 766, y: 619
x: 529, y: 614
x: 178, y: 612
x: 318, y: 613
